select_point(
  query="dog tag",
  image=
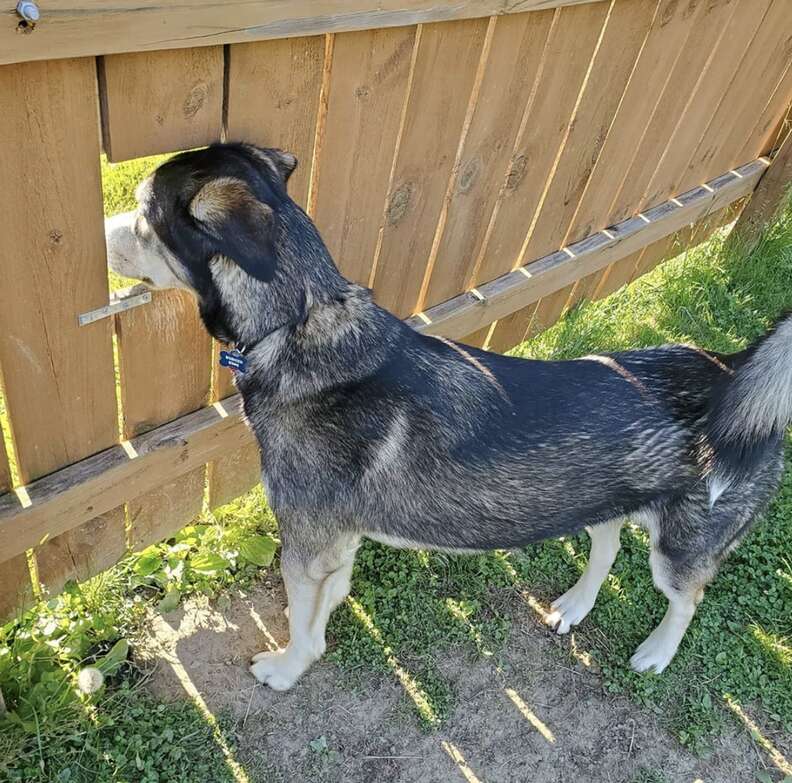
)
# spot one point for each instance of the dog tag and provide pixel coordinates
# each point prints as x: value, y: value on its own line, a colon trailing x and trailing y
x: 233, y: 359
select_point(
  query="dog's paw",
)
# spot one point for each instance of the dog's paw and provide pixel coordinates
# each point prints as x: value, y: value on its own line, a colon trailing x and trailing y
x: 569, y: 609
x: 279, y: 670
x: 651, y: 656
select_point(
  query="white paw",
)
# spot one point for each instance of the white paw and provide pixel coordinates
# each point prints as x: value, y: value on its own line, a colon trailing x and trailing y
x: 279, y: 670
x: 652, y: 655
x: 570, y: 609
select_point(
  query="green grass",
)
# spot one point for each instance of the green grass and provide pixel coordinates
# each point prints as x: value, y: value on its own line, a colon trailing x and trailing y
x: 409, y: 607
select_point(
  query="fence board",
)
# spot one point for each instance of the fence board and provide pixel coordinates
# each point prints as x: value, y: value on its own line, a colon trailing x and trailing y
x: 508, y: 81
x: 445, y: 67
x: 59, y: 378
x: 273, y: 99
x: 164, y: 357
x: 680, y: 46
x: 737, y: 113
x: 16, y: 588
x: 570, y: 49
x: 614, y: 62
x: 240, y: 470
x: 708, y: 25
x: 157, y: 102
x: 368, y: 83
x: 670, y: 29
x: 723, y: 66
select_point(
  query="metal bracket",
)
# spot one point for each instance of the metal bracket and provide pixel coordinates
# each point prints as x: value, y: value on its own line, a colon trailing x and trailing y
x: 119, y: 301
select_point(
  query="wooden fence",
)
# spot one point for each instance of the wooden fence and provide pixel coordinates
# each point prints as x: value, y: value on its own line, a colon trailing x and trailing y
x: 481, y: 165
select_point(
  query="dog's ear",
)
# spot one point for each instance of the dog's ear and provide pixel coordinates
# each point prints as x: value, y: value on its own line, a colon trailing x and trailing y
x: 285, y: 162
x: 237, y: 225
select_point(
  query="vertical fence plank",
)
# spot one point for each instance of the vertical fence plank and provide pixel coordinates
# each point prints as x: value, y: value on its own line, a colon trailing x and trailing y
x: 569, y: 53
x: 723, y: 66
x: 669, y: 32
x: 763, y: 64
x: 709, y: 24
x: 155, y: 102
x: 679, y: 45
x: 164, y: 357
x: 510, y: 73
x: 614, y: 62
x: 59, y: 377
x: 240, y: 470
x: 273, y: 99
x: 769, y: 130
x: 15, y: 585
x: 445, y: 67
x: 366, y: 95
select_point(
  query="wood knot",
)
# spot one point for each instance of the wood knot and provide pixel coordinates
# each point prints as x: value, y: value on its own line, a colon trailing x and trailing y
x: 468, y: 175
x: 362, y: 91
x: 398, y: 204
x: 195, y: 99
x: 516, y: 172
x: 55, y: 236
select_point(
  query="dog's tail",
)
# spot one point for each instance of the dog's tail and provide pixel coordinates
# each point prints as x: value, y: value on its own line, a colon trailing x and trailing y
x: 752, y: 410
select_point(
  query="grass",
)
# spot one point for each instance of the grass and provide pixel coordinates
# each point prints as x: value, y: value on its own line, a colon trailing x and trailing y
x: 409, y: 607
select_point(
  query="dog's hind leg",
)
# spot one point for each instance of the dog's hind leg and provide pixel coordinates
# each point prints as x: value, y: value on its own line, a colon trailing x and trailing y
x: 577, y: 602
x: 684, y: 588
x: 315, y: 585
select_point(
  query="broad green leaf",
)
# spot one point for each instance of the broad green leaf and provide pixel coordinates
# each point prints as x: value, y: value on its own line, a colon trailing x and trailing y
x: 169, y: 602
x: 208, y: 563
x: 115, y: 657
x: 258, y: 550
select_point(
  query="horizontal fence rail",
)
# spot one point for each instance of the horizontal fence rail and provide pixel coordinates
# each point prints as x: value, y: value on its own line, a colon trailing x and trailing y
x: 482, y: 166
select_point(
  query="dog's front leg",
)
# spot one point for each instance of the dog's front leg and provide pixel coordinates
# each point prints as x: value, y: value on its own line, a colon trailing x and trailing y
x: 315, y: 585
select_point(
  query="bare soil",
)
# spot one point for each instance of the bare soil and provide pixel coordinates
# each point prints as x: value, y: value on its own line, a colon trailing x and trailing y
x: 562, y: 726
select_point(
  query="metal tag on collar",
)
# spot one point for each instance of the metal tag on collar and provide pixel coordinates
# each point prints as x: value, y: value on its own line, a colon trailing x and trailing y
x: 233, y: 359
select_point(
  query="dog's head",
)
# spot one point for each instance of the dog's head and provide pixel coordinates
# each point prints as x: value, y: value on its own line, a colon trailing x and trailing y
x: 224, y: 201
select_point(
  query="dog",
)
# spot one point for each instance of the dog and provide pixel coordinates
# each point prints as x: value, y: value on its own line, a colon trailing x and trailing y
x: 370, y: 429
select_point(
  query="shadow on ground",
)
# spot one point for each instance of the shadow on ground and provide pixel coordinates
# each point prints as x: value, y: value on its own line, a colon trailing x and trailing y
x: 527, y: 714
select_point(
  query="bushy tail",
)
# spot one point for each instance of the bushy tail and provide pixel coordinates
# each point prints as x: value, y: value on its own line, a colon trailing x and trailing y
x: 751, y: 412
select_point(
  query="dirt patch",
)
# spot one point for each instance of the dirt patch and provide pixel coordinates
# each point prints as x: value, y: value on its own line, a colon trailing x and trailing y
x: 532, y: 717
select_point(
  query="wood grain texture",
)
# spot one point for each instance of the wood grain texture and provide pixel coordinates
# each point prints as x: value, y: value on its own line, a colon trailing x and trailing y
x: 774, y: 121
x: 569, y: 55
x: 768, y: 198
x: 273, y: 99
x: 721, y: 69
x: 58, y: 376
x: 509, y: 77
x: 68, y: 29
x: 614, y: 61
x: 477, y: 339
x: 81, y: 553
x: 234, y: 473
x: 161, y: 101
x: 761, y: 68
x: 598, y: 206
x: 366, y: 95
x: 164, y: 357
x: 708, y: 25
x: 16, y: 589
x: 445, y: 67
x: 75, y: 494
x: 467, y: 313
